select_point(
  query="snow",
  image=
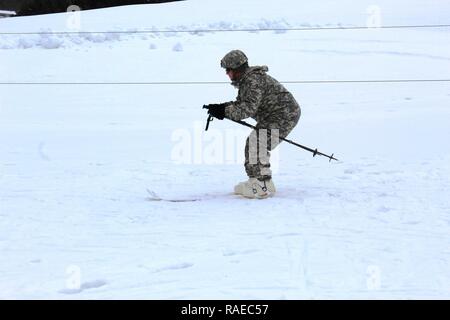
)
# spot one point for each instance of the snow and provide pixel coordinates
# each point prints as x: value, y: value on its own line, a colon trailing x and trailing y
x: 76, y: 160
x: 7, y: 13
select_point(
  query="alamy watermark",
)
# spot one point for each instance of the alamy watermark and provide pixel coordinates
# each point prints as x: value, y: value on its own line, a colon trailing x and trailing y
x: 373, y: 280
x: 73, y: 281
x: 374, y: 20
x: 224, y: 147
x: 74, y: 19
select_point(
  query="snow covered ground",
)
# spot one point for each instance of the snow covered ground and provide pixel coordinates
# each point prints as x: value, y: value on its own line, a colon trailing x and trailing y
x: 76, y: 160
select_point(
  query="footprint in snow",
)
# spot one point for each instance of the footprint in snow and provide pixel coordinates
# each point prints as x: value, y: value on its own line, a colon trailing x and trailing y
x: 84, y: 286
x: 35, y: 261
x: 383, y: 209
x: 178, y: 266
x: 230, y: 253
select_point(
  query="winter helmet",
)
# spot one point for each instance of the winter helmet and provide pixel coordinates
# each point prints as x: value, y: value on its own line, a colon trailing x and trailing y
x: 233, y: 59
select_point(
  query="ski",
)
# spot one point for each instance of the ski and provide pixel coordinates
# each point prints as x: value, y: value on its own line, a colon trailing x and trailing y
x: 154, y: 197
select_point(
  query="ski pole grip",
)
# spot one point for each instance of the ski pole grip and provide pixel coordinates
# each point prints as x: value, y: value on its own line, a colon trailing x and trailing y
x: 210, y: 118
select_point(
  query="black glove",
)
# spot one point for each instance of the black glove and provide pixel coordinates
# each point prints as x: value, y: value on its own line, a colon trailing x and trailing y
x: 217, y: 110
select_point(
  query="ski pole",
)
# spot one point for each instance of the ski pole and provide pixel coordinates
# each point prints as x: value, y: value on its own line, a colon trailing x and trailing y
x: 210, y: 118
x: 314, y: 151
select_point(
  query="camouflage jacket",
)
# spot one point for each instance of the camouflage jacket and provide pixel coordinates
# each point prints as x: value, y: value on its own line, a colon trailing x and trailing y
x: 261, y: 97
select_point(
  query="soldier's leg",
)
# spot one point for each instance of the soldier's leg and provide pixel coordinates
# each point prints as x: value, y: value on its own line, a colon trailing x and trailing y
x: 265, y: 138
x: 269, y: 137
x: 251, y: 151
x: 257, y: 153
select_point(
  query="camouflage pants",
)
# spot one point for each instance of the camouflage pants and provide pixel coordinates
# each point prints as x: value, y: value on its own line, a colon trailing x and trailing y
x: 264, y: 139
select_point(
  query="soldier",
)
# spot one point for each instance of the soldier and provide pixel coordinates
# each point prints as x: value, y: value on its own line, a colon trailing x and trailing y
x: 276, y: 111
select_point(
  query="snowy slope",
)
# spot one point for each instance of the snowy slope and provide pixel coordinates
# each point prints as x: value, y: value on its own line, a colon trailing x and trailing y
x: 76, y: 160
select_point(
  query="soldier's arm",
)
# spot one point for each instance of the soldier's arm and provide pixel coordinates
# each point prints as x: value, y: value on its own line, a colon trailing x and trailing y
x: 248, y: 105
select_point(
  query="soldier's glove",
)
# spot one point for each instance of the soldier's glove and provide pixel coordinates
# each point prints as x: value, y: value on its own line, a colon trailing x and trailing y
x: 217, y: 110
